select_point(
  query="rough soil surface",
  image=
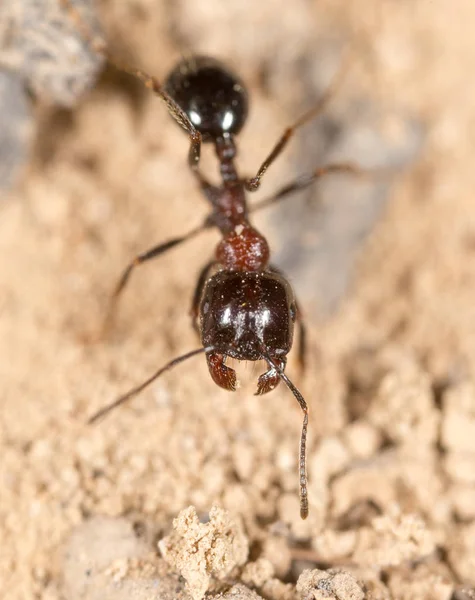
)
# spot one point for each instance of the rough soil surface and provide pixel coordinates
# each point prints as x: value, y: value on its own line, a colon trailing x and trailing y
x: 190, y: 490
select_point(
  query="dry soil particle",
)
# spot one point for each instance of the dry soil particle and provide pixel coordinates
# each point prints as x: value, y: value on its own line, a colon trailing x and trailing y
x: 390, y: 376
x: 325, y: 585
x: 203, y: 552
x: 106, y: 560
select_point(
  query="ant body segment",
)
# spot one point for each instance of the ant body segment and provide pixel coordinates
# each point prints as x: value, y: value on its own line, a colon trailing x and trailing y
x: 242, y: 307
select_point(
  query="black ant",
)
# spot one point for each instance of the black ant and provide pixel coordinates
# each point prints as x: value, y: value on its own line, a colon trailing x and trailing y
x: 242, y: 306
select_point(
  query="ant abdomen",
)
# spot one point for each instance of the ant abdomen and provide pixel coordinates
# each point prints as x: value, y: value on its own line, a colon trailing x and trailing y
x: 214, y: 99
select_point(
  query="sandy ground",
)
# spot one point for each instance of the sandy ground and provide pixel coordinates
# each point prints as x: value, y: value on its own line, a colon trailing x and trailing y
x: 386, y: 280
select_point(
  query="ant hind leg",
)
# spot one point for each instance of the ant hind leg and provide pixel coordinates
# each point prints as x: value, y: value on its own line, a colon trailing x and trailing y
x: 305, y: 181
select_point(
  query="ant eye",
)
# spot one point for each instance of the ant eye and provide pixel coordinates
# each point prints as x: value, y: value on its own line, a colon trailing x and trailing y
x: 293, y: 311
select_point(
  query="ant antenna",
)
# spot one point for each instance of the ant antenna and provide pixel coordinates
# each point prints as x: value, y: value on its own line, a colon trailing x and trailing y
x: 303, y: 437
x: 133, y: 392
x: 140, y: 259
x: 97, y: 44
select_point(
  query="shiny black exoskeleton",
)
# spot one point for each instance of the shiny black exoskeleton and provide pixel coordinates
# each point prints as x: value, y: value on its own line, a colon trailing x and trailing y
x: 247, y: 316
x: 213, y: 98
x: 242, y: 313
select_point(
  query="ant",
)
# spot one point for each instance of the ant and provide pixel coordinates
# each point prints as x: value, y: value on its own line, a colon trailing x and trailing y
x: 242, y: 307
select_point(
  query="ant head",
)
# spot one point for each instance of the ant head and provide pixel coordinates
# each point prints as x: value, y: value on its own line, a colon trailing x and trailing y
x: 244, y: 313
x: 214, y: 99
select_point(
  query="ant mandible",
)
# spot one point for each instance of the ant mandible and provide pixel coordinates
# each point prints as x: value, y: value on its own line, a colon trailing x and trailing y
x: 243, y: 307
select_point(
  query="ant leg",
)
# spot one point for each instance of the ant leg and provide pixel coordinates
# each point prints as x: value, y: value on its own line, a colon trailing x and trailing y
x: 195, y: 305
x: 98, y: 45
x: 307, y: 180
x: 253, y: 183
x: 140, y: 259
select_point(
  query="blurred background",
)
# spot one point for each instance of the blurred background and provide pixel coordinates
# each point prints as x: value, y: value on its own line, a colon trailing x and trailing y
x: 93, y: 171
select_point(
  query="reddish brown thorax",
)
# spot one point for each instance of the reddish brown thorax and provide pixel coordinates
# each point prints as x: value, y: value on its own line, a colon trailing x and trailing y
x: 243, y: 249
